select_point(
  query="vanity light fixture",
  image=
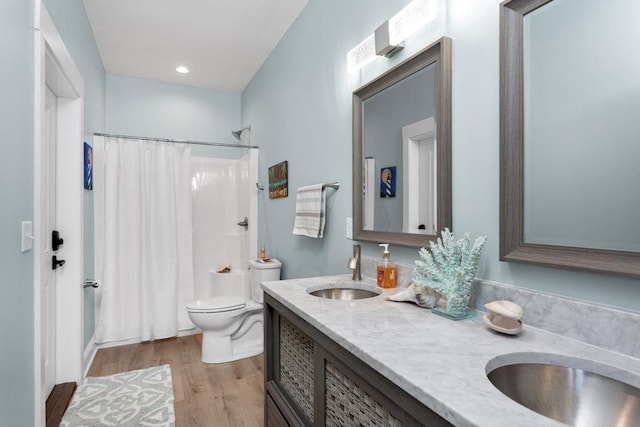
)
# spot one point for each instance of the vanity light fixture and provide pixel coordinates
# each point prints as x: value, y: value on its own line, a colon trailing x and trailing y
x: 388, y: 37
x: 384, y: 47
x: 361, y: 55
x: 414, y: 16
x: 182, y: 69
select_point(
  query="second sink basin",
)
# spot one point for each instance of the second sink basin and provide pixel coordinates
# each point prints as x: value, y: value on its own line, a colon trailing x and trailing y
x: 570, y: 395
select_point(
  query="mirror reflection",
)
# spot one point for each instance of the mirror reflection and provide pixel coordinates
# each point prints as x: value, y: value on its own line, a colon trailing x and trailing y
x: 569, y: 134
x: 581, y: 127
x: 399, y: 147
x: 402, y: 151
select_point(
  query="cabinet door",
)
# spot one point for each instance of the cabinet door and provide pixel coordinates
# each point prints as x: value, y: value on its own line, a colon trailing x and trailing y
x: 296, y: 367
x: 274, y: 417
x: 288, y: 368
x: 348, y: 404
x: 315, y: 381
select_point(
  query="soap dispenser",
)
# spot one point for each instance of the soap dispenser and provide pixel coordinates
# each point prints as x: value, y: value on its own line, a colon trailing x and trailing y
x: 386, y: 269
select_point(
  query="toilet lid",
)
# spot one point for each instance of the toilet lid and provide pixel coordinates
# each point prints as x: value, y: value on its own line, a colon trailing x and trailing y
x: 216, y: 304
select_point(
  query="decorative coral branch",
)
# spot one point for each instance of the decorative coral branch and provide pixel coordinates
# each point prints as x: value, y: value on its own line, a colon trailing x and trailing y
x: 449, y: 267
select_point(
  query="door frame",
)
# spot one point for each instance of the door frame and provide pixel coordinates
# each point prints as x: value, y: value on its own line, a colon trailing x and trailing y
x: 54, y: 67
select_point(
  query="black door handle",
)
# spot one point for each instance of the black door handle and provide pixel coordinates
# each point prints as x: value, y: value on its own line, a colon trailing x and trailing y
x: 55, y: 262
x: 56, y: 241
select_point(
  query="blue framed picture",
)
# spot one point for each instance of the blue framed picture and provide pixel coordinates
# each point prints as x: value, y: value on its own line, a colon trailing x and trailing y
x: 88, y: 167
x: 388, y: 182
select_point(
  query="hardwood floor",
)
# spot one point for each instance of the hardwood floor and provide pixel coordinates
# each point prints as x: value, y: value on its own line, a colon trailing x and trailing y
x: 226, y: 394
x: 57, y: 403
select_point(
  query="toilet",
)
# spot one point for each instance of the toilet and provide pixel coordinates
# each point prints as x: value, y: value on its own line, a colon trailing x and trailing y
x: 231, y: 318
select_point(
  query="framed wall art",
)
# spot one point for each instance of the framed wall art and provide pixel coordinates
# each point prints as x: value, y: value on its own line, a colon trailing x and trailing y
x: 388, y: 182
x: 88, y: 167
x: 279, y: 180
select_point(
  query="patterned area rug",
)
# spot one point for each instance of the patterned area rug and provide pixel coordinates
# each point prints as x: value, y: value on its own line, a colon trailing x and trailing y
x: 134, y: 398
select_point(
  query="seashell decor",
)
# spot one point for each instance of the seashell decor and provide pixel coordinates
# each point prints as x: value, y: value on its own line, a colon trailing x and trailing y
x: 505, y: 308
x: 504, y: 317
x: 423, y: 296
x: 225, y: 267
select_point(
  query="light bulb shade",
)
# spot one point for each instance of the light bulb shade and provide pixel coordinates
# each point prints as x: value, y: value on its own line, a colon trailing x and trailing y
x: 414, y: 16
x: 362, y: 54
x: 388, y: 38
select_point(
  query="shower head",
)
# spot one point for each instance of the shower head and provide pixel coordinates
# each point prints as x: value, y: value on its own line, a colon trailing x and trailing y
x: 237, y: 133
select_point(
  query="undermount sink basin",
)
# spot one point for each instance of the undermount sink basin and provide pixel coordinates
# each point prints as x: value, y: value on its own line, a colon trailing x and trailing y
x: 570, y: 395
x: 344, y: 291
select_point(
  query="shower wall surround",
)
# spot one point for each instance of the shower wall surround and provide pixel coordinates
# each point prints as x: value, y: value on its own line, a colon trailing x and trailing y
x: 220, y: 194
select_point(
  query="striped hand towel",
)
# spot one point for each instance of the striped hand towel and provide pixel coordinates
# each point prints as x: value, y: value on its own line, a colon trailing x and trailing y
x: 309, y: 220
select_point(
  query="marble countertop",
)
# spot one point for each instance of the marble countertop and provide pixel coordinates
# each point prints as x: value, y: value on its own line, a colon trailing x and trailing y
x: 442, y: 363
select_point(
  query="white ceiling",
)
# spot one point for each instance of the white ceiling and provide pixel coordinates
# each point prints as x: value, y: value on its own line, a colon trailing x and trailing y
x: 222, y: 42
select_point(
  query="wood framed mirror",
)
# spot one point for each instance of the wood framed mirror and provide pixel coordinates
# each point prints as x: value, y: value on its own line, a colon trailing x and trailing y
x: 568, y: 134
x: 402, y: 151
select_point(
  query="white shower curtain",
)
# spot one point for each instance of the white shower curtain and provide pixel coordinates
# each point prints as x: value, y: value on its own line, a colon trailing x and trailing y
x: 145, y: 263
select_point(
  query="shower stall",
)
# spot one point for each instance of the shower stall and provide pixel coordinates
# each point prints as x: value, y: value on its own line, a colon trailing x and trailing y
x: 210, y: 187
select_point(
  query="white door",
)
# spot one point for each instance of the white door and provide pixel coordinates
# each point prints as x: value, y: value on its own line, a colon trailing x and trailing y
x: 48, y: 220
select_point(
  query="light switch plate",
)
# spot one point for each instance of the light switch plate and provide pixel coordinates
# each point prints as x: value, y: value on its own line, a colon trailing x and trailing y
x: 27, y: 236
x: 349, y: 228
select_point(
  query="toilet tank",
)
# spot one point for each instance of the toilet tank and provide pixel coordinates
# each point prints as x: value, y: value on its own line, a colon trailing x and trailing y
x: 262, y: 271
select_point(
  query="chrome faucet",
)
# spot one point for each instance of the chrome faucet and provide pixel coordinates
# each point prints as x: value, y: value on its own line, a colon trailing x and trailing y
x: 354, y: 263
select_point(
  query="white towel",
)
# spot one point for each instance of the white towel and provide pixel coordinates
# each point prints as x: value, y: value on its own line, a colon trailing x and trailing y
x: 310, y: 213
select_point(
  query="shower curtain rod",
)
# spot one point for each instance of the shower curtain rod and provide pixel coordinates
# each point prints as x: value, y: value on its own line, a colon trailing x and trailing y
x: 146, y: 138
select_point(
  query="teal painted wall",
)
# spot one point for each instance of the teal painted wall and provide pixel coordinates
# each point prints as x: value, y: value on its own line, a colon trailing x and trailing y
x: 299, y: 105
x: 141, y: 107
x: 72, y: 23
x: 16, y: 193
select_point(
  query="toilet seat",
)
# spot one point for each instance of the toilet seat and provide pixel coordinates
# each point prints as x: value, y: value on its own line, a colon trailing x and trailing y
x: 217, y: 304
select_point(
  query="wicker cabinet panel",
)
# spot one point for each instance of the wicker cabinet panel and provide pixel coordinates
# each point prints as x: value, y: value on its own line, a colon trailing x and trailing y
x: 296, y: 366
x: 348, y: 405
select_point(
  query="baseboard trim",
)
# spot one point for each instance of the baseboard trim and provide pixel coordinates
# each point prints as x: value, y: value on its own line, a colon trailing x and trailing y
x: 89, y: 354
x: 184, y: 333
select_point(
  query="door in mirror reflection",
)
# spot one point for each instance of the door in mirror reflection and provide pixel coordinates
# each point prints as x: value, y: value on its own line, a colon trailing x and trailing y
x: 419, y: 162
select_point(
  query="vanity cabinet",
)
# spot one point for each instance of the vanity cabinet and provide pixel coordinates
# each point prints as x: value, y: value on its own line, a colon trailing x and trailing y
x: 310, y: 380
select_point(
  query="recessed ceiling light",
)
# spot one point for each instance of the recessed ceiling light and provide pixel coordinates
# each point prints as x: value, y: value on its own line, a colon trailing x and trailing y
x: 182, y: 69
